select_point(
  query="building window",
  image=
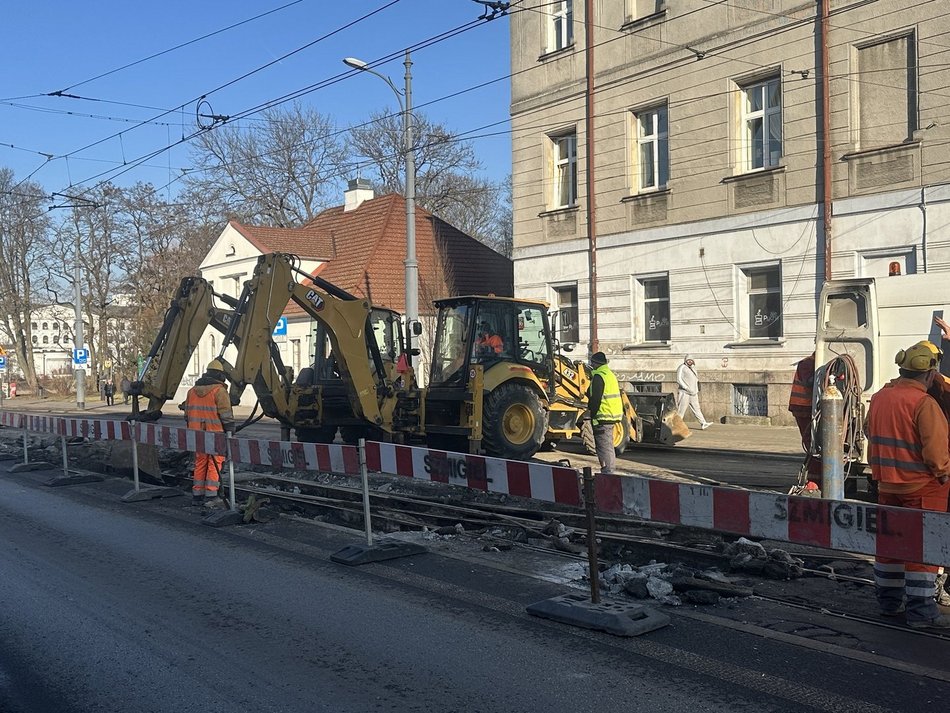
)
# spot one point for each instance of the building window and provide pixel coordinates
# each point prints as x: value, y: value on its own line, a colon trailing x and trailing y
x: 653, y: 148
x: 45, y: 325
x: 886, y: 92
x: 35, y: 340
x: 638, y: 9
x: 564, y: 157
x: 750, y: 400
x: 55, y: 339
x: 656, y: 309
x: 33, y: 326
x: 764, y: 288
x: 761, y: 124
x: 567, y: 328
x: 56, y: 326
x: 561, y: 25
x: 45, y: 339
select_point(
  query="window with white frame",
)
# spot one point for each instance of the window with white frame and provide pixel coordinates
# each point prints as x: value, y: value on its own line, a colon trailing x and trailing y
x: 564, y: 159
x: 764, y: 290
x: 656, y: 308
x: 560, y: 25
x: 568, y: 330
x: 761, y: 124
x: 653, y: 148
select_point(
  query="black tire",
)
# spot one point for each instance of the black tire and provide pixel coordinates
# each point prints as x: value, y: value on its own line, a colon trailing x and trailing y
x: 621, y: 438
x: 320, y: 434
x: 515, y: 422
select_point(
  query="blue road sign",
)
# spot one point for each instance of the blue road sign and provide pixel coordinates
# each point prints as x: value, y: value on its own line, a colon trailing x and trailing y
x: 3, y: 362
x: 281, y: 329
x: 80, y: 357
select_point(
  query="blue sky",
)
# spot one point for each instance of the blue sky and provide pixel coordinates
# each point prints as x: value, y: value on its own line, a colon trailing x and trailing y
x: 52, y: 46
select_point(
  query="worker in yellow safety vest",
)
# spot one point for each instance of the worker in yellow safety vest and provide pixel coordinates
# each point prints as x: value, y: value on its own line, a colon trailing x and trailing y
x: 208, y: 408
x: 606, y: 410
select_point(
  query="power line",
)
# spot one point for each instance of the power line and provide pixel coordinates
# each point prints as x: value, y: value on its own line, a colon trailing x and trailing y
x: 172, y: 49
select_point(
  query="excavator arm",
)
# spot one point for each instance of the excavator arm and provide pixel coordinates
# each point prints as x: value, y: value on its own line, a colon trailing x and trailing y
x: 346, y: 319
x: 191, y: 311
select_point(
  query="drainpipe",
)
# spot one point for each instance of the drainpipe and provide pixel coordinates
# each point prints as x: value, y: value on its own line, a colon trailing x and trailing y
x: 826, y: 135
x: 923, y: 232
x: 591, y: 215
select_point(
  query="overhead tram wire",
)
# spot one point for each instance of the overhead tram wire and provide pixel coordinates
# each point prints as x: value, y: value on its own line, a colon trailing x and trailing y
x: 336, y: 31
x: 176, y: 47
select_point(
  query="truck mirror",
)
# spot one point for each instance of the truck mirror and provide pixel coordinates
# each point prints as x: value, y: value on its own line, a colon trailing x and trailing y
x: 415, y: 352
x: 416, y: 328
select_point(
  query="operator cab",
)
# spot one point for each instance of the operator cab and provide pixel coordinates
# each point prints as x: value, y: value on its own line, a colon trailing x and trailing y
x: 489, y: 331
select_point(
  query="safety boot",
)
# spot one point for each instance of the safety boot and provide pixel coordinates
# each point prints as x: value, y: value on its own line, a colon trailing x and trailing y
x: 197, y: 500
x: 941, y: 621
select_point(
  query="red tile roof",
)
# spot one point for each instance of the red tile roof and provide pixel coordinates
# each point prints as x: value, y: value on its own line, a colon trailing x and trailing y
x: 297, y: 241
x: 368, y: 249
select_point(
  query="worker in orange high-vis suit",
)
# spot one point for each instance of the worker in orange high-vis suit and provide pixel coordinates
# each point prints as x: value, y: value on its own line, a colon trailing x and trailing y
x: 910, y: 460
x: 800, y: 406
x: 208, y: 408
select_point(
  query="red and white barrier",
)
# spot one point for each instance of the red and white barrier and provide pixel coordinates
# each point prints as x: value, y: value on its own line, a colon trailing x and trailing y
x: 899, y: 533
x: 539, y: 481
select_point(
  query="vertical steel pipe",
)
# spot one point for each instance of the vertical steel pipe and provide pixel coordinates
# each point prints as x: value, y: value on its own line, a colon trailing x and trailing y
x: 832, y: 443
x: 135, y: 455
x: 364, y: 475
x: 232, y: 497
x: 590, y: 507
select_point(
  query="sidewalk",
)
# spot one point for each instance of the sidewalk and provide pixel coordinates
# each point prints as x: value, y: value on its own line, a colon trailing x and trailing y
x: 768, y: 441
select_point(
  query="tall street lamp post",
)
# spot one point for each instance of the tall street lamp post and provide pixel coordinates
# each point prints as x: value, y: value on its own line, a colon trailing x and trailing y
x: 412, y: 267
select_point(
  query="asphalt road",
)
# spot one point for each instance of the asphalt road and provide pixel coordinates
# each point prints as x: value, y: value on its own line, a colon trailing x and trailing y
x: 138, y: 607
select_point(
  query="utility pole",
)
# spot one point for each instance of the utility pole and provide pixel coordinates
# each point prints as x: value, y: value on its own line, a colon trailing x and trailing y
x: 591, y: 191
x: 826, y: 136
x: 77, y: 297
x: 412, y: 267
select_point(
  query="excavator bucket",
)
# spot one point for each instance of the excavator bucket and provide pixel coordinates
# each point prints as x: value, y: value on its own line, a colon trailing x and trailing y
x: 662, y: 424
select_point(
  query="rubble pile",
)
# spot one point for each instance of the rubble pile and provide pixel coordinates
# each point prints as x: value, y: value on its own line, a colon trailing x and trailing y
x: 748, y: 556
x: 671, y: 583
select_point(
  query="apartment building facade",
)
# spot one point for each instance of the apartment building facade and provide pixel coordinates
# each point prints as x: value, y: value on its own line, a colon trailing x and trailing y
x: 708, y: 176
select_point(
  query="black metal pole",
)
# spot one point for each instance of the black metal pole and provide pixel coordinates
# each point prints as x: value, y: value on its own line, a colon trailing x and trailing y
x: 590, y: 506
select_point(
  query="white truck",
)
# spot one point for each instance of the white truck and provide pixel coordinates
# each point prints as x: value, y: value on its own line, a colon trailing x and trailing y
x: 870, y: 319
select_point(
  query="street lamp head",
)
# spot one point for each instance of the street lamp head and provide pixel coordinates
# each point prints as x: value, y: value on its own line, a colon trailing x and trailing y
x: 355, y: 63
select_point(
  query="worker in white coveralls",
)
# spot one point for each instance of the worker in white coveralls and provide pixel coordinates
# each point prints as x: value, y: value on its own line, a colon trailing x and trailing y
x: 688, y: 396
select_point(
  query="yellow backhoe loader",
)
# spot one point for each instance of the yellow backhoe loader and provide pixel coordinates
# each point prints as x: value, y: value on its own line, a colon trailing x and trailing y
x: 497, y: 384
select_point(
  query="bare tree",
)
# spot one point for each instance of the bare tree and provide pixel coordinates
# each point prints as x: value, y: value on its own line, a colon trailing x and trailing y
x: 24, y: 226
x: 281, y: 172
x: 164, y: 242
x: 447, y: 168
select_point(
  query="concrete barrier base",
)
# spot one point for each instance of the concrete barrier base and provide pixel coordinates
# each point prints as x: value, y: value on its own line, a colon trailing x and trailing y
x: 353, y: 555
x: 73, y: 479
x: 150, y: 493
x: 26, y: 467
x: 617, y: 618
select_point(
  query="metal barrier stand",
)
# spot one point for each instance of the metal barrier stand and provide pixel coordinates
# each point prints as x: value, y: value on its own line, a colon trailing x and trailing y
x: 385, y: 548
x: 615, y: 617
x: 138, y: 493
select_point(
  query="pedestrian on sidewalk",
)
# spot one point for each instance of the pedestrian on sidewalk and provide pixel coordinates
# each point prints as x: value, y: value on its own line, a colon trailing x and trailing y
x: 108, y: 389
x: 606, y: 410
x: 208, y: 408
x: 688, y: 397
x: 126, y: 386
x: 909, y: 455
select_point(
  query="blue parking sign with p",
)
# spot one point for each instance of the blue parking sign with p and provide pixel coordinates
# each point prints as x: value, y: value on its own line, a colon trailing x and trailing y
x: 280, y: 330
x: 80, y: 357
x: 3, y: 363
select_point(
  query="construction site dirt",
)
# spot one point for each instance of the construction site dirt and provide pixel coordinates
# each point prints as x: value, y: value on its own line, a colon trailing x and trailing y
x: 818, y: 600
